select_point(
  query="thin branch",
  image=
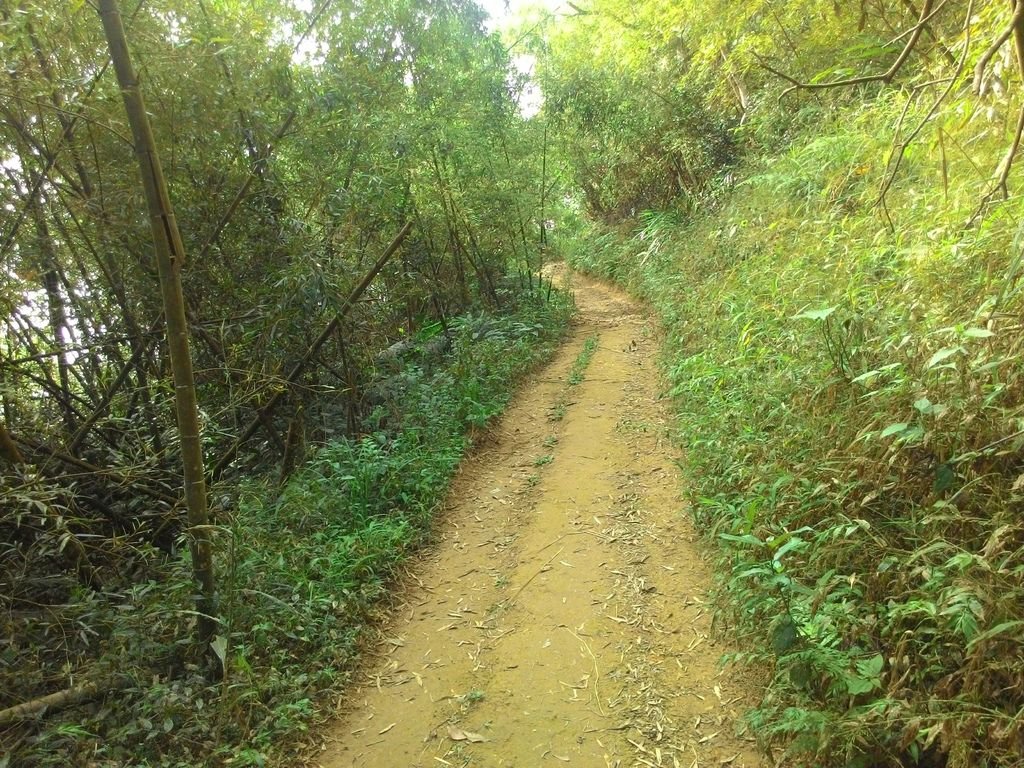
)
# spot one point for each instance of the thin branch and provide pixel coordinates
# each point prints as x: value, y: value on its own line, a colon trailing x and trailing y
x: 1004, y: 171
x: 999, y: 42
x: 905, y: 144
x: 919, y: 24
x: 887, y: 76
x: 254, y: 173
x: 765, y: 65
x: 314, y: 19
x: 296, y: 371
x: 942, y: 46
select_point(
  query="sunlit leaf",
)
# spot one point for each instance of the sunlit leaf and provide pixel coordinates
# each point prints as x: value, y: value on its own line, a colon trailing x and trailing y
x: 815, y: 314
x: 978, y: 333
x: 894, y: 429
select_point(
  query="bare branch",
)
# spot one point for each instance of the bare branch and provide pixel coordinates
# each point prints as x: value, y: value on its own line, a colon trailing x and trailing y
x: 887, y: 76
x: 1004, y: 171
x: 902, y: 149
x: 999, y: 42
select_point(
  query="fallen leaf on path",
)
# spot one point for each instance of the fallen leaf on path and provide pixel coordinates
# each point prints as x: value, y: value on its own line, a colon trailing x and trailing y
x: 560, y: 757
x: 457, y: 734
x: 709, y: 737
x: 727, y: 760
x: 385, y: 730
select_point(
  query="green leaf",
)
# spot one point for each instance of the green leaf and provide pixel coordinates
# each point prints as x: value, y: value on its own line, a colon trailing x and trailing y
x: 938, y: 357
x: 815, y: 314
x: 219, y: 645
x: 784, y: 637
x: 746, y: 538
x: 967, y: 623
x: 801, y: 674
x: 857, y: 685
x: 894, y: 429
x: 872, y: 667
x: 978, y: 333
x: 995, y: 631
x: 865, y: 376
x: 945, y: 476
x: 789, y: 546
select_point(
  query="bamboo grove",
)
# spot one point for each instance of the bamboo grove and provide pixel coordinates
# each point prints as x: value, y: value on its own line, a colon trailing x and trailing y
x: 323, y: 187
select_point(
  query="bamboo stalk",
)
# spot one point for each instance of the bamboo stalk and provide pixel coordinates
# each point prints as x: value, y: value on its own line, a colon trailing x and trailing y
x: 170, y: 255
x: 59, y: 700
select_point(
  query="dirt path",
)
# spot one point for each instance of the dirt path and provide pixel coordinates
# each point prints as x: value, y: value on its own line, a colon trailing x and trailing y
x: 561, y: 617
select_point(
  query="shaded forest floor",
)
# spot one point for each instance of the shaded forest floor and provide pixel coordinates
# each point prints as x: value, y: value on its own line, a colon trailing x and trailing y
x: 562, y: 614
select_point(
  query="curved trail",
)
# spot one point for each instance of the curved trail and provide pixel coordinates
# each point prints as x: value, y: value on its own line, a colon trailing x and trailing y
x: 560, y: 618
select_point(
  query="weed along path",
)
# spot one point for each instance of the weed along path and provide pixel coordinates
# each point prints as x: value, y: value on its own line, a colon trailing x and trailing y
x: 560, y: 618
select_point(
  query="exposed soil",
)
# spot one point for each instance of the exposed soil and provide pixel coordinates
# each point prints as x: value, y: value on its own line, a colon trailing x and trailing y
x: 561, y: 617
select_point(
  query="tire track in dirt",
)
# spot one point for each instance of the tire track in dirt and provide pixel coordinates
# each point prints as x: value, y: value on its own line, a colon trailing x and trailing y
x: 560, y: 618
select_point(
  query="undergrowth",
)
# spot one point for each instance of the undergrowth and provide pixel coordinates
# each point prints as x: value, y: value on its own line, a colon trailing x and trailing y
x: 305, y: 566
x: 850, y: 398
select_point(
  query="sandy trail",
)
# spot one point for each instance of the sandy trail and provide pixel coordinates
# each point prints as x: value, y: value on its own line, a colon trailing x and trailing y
x: 561, y: 617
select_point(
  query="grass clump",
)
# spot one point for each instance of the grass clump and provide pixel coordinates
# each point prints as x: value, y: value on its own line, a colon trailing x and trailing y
x: 850, y: 398
x: 582, y: 361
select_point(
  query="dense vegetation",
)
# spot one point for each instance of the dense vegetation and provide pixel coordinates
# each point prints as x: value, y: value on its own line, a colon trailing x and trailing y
x: 359, y: 205
x: 820, y: 199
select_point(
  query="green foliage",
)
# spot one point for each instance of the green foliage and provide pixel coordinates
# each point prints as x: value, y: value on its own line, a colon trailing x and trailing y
x: 849, y: 397
x: 297, y: 139
x: 304, y: 570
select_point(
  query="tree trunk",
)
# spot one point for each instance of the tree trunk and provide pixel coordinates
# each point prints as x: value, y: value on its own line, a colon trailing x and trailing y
x: 170, y: 255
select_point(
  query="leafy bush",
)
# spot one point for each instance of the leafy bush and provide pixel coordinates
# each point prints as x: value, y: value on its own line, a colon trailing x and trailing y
x: 306, y: 567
